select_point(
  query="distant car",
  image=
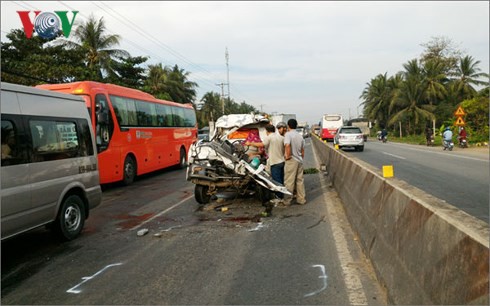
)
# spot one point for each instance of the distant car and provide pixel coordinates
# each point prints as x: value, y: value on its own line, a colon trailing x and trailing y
x: 349, y: 136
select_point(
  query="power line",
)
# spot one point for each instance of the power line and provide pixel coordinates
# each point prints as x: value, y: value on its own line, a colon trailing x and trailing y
x: 142, y: 32
x: 155, y: 40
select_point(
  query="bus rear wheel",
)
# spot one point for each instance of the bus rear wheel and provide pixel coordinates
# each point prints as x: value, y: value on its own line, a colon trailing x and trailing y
x: 129, y: 170
x: 182, y: 163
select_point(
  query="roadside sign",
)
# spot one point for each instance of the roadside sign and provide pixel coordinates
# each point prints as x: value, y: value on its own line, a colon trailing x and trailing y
x: 459, y: 122
x: 459, y: 112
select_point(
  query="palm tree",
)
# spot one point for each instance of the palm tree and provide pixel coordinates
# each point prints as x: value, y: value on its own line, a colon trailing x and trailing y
x: 92, y: 38
x: 413, y: 70
x: 468, y: 74
x: 410, y: 104
x: 156, y: 81
x: 180, y: 88
x: 377, y: 98
x: 211, y: 109
x: 434, y: 80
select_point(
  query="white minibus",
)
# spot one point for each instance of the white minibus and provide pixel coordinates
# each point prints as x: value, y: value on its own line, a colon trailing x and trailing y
x: 49, y: 170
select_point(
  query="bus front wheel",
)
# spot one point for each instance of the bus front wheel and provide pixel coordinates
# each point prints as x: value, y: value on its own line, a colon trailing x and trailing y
x: 129, y: 170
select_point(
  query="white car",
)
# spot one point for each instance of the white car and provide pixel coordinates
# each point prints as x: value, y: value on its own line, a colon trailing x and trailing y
x: 349, y: 136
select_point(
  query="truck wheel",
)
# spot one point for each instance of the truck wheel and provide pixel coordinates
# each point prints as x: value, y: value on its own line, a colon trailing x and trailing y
x: 201, y: 194
x: 129, y: 170
x: 71, y: 218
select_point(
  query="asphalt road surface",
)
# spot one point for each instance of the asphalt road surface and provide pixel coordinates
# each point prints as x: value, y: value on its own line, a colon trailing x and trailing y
x: 193, y: 254
x: 459, y: 177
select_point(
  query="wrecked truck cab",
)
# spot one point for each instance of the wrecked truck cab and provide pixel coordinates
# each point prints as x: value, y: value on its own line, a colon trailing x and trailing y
x: 222, y: 163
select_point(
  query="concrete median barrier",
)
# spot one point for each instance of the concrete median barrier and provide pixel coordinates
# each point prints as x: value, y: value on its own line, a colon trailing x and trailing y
x: 424, y: 250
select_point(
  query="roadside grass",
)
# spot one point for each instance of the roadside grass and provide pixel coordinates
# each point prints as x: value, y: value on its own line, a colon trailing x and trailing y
x: 420, y: 140
x: 310, y: 171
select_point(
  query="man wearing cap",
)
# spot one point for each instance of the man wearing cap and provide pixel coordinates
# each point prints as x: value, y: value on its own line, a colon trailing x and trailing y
x: 282, y: 128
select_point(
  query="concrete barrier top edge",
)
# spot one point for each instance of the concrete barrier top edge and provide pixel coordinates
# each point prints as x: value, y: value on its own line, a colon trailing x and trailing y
x: 477, y: 229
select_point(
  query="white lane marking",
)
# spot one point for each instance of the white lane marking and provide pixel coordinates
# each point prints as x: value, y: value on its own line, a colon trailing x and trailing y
x: 322, y: 276
x: 355, y: 290
x: 161, y: 213
x: 445, y: 153
x: 87, y: 278
x: 397, y: 156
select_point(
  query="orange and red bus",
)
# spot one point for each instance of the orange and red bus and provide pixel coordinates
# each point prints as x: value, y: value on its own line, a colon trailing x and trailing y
x: 135, y: 132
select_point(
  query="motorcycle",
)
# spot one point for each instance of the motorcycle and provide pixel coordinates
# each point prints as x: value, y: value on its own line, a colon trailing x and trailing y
x: 463, y: 143
x: 222, y: 164
x: 448, y: 144
x: 430, y: 141
x: 385, y: 139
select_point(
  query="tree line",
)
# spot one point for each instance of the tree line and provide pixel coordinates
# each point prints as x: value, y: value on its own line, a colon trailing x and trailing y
x: 93, y: 55
x: 430, y: 88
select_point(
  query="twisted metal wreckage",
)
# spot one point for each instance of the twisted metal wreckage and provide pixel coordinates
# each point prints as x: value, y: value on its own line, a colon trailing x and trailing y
x: 222, y: 163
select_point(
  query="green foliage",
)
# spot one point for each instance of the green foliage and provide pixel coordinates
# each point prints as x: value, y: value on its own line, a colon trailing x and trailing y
x: 128, y: 72
x: 429, y: 88
x: 171, y: 83
x: 477, y: 118
x: 212, y: 108
x: 34, y: 61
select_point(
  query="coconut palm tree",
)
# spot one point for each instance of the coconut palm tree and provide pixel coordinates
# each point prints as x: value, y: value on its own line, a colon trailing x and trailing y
x: 98, y: 46
x: 156, y: 81
x: 211, y: 109
x: 377, y: 98
x: 468, y: 74
x: 410, y: 103
x: 180, y: 88
x: 434, y: 80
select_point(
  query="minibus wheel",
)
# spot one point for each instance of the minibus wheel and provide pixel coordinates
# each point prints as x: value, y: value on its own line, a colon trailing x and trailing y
x: 129, y: 170
x: 71, y: 217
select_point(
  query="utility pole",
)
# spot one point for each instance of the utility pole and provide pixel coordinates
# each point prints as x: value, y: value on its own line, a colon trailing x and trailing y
x: 227, y: 72
x: 222, y: 96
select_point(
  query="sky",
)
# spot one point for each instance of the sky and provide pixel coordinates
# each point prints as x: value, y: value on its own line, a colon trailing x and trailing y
x: 292, y: 57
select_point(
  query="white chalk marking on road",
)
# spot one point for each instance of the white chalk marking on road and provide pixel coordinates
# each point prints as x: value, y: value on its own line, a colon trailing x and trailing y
x: 161, y: 213
x: 259, y: 226
x: 322, y: 276
x: 87, y: 278
x: 355, y: 290
x: 172, y: 227
x: 397, y: 156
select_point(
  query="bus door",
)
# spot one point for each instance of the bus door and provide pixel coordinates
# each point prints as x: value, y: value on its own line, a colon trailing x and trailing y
x: 104, y: 125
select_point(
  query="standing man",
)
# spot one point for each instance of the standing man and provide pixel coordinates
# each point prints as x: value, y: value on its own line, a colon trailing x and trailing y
x: 274, y: 147
x: 293, y: 171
